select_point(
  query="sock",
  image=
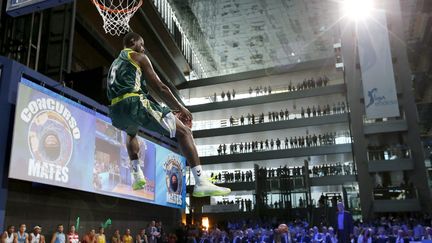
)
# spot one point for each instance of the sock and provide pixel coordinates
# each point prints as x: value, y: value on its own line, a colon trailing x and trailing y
x: 134, y: 165
x: 198, y: 174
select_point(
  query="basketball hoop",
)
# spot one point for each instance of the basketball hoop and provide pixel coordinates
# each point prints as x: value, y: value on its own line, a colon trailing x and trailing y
x: 116, y: 14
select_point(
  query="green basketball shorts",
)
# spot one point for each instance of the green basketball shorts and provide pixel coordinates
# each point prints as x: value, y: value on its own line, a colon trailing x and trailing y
x: 134, y: 111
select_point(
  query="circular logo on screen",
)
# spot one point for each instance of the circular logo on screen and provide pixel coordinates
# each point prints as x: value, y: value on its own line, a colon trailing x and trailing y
x: 174, y: 175
x: 50, y: 139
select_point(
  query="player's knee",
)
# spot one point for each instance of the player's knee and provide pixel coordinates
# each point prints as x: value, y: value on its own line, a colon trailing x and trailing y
x: 183, y: 131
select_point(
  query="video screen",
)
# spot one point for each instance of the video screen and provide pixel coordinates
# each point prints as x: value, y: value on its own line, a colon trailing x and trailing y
x: 62, y: 143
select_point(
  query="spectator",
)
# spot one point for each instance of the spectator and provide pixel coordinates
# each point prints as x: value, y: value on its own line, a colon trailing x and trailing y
x: 90, y: 237
x: 9, y: 236
x: 22, y: 236
x: 73, y: 236
x: 35, y: 236
x: 116, y: 238
x: 100, y: 236
x: 231, y: 120
x: 127, y: 237
x: 365, y: 236
x: 141, y: 237
x: 152, y: 232
x: 344, y: 224
x: 172, y: 238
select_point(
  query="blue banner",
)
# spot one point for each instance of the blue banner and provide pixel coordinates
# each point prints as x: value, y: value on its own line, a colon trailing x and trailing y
x: 62, y: 143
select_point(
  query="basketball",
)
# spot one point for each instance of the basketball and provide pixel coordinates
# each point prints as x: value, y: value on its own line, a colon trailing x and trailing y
x: 283, y: 228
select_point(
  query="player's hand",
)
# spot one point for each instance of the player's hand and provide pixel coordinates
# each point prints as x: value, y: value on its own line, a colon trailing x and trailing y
x: 185, y: 113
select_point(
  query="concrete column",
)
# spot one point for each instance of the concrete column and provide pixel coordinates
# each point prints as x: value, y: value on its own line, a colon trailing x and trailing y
x: 418, y: 176
x: 352, y: 77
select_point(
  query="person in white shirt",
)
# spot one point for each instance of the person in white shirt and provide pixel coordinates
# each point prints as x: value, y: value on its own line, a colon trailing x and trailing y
x: 35, y: 236
x: 9, y: 236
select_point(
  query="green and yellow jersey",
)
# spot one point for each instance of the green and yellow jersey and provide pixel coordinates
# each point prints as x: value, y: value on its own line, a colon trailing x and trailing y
x: 124, y: 76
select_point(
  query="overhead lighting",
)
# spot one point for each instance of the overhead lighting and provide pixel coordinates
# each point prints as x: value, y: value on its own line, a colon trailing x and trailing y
x: 357, y: 9
x: 292, y: 54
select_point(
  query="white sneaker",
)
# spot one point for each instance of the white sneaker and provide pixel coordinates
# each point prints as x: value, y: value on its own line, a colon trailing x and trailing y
x: 138, y: 177
x: 206, y: 189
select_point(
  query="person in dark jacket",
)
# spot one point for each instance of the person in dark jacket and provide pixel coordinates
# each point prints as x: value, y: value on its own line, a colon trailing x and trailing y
x: 344, y: 224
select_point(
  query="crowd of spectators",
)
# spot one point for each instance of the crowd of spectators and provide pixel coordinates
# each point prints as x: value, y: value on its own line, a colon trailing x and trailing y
x: 382, y: 230
x: 283, y: 171
x: 310, y: 140
x: 154, y: 233
x: 269, y: 173
x: 232, y: 176
x: 388, y: 229
x: 332, y: 169
x: 267, y: 90
x: 245, y: 205
x: 260, y: 90
x: 328, y: 199
x: 274, y: 116
x: 229, y: 95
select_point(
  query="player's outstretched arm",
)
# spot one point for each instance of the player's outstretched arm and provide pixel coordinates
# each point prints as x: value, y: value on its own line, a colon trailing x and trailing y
x: 157, y: 85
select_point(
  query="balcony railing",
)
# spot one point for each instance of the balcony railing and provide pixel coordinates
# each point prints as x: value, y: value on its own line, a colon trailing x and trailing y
x: 175, y: 29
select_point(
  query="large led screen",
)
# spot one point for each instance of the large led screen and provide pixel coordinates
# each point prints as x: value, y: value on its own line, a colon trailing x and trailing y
x: 62, y: 143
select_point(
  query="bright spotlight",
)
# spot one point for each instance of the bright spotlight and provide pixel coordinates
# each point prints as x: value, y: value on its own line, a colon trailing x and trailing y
x: 357, y: 9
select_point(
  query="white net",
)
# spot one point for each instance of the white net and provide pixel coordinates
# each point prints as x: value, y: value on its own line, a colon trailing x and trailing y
x: 116, y: 14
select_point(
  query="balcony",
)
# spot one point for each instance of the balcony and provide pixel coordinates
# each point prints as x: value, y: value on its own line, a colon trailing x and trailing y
x: 332, y: 180
x: 277, y: 154
x: 406, y: 205
x: 390, y: 165
x: 234, y: 186
x: 268, y: 126
x: 386, y: 127
x: 283, y: 96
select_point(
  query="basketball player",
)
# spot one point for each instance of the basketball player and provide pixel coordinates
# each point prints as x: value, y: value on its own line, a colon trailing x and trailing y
x: 132, y: 106
x: 35, y: 236
x: 9, y: 236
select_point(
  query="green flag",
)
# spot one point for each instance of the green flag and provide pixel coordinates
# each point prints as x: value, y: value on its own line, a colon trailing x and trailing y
x: 77, y: 223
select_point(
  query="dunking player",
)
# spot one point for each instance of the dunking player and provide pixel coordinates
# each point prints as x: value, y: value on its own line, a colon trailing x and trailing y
x: 132, y: 106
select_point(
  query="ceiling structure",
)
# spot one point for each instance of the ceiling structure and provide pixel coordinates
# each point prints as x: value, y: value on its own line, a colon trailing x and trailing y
x: 235, y: 36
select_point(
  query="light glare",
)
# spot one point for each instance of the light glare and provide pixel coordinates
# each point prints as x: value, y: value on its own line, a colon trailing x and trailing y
x: 357, y: 9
